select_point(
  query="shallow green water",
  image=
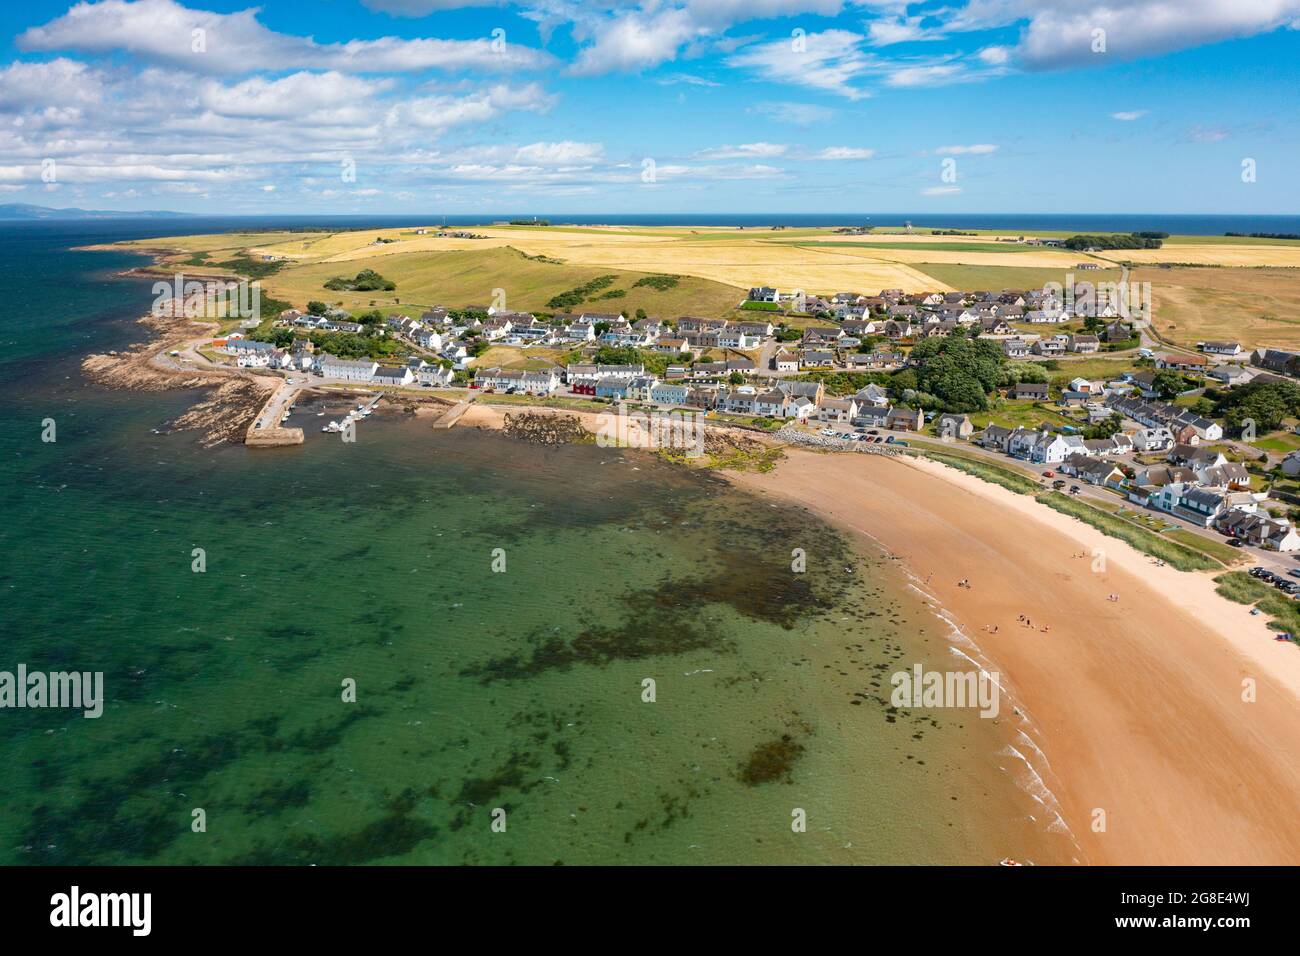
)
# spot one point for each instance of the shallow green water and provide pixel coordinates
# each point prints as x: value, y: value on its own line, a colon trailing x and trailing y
x: 476, y: 691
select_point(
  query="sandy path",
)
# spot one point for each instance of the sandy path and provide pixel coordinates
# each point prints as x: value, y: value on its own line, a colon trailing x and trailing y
x: 1137, y: 703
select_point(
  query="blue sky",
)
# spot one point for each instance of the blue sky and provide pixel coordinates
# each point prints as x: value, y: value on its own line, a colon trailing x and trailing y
x: 661, y: 106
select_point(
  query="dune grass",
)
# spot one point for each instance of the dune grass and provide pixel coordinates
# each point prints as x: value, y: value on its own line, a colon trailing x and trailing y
x: 1240, y: 587
x: 1178, y: 555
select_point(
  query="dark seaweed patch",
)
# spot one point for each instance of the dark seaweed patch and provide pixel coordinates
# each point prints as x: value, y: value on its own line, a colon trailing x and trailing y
x: 390, y: 836
x: 771, y: 761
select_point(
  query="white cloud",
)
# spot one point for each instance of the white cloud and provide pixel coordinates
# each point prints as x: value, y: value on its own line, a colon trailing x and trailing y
x: 636, y: 41
x: 564, y: 153
x: 798, y: 114
x: 422, y: 8
x: 731, y: 171
x: 941, y: 191
x: 932, y: 75
x: 1129, y: 115
x: 829, y: 61
x: 1061, y: 32
x: 744, y: 151
x: 994, y: 55
x: 441, y: 112
x: 978, y: 149
x: 687, y: 79
x: 884, y: 32
x: 844, y: 152
x: 204, y: 42
x: 298, y: 94
x: 60, y: 82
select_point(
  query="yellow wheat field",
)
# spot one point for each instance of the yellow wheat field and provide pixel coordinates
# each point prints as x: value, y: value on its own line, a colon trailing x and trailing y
x: 1207, y: 255
x: 737, y: 258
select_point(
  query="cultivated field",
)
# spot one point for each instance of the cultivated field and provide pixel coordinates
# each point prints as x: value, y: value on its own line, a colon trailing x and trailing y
x: 1276, y: 254
x: 1242, y: 300
x: 993, y: 278
x: 1255, y: 307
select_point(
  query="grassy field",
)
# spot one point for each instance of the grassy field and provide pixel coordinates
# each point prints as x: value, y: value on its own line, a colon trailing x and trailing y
x: 1089, y: 368
x: 508, y: 356
x: 1022, y: 413
x: 1280, y: 442
x: 532, y: 264
x: 993, y: 278
x: 1254, y: 307
x: 466, y: 277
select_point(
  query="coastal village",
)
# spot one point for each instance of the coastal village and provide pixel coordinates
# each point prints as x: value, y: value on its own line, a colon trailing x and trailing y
x: 826, y: 368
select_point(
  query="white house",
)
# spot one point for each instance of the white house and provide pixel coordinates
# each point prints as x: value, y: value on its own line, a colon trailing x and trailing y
x: 349, y: 370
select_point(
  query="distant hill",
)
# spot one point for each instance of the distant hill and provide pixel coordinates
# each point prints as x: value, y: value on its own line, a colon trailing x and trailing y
x: 22, y: 210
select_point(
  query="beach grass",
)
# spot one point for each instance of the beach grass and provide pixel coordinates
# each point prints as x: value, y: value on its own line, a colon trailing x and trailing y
x: 1172, y: 552
x: 1240, y: 587
x: 1216, y: 549
x: 985, y: 470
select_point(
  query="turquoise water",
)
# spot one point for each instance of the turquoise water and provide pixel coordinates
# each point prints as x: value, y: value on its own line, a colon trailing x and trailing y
x: 476, y: 691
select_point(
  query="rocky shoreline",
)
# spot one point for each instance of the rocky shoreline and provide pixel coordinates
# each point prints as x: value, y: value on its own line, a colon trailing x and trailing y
x: 227, y: 411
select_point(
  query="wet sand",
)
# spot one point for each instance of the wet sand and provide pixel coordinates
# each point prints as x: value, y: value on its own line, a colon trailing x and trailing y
x: 1137, y: 703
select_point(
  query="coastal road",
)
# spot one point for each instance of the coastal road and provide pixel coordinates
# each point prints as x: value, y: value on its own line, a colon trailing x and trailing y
x: 1280, y: 563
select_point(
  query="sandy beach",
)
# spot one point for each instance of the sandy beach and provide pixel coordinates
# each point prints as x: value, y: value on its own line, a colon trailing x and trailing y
x: 1137, y: 702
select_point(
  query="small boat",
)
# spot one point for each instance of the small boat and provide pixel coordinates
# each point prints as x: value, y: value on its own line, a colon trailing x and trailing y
x: 320, y: 414
x: 1007, y: 861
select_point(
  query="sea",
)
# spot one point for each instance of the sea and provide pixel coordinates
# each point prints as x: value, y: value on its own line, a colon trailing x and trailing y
x: 445, y: 647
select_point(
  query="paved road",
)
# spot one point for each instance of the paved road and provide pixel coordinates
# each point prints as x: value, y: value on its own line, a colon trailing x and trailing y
x: 1257, y: 556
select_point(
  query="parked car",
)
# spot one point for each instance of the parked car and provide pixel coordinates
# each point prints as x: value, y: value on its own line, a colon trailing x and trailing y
x: 1235, y: 543
x: 1074, y: 489
x: 1049, y: 474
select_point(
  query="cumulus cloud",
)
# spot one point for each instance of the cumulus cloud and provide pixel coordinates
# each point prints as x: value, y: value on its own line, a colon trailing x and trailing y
x: 295, y: 95
x: 636, y: 40
x: 1061, y: 33
x: 60, y: 82
x: 201, y: 41
x: 1128, y: 116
